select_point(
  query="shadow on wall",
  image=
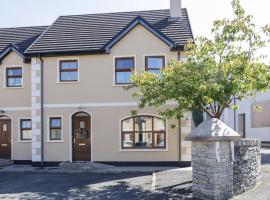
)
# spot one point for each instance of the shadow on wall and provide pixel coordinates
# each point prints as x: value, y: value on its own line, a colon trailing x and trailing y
x: 266, y: 158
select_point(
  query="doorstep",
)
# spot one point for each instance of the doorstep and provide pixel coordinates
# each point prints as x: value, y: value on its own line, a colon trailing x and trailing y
x: 4, y: 162
x: 53, y: 170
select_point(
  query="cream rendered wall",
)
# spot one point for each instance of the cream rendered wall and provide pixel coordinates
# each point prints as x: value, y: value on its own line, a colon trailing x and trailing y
x: 15, y: 97
x: 97, y: 71
x: 17, y: 105
x: 96, y: 74
x: 106, y: 142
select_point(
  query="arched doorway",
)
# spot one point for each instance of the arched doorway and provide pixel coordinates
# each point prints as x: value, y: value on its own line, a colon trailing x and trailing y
x: 81, y: 137
x: 5, y: 137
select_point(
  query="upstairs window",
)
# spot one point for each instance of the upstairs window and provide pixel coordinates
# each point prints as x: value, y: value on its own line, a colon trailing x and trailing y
x: 26, y: 129
x: 154, y: 64
x: 68, y: 71
x: 55, y: 128
x: 123, y: 70
x: 143, y: 132
x: 14, y: 77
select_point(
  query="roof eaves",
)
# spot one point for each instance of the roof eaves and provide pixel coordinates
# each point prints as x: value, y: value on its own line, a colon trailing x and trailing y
x: 136, y: 21
x: 8, y: 49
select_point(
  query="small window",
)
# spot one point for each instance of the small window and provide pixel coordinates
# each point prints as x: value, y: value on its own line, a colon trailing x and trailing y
x: 55, y: 128
x: 154, y: 64
x: 123, y: 70
x: 26, y: 129
x: 68, y: 70
x: 4, y: 127
x: 143, y: 132
x: 242, y: 125
x: 14, y: 77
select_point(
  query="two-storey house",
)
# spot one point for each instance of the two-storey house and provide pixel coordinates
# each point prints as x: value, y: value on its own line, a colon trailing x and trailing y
x: 62, y: 96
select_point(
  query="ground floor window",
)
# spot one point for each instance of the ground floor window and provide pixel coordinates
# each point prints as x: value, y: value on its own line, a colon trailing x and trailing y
x: 26, y: 129
x: 55, y: 128
x: 143, y: 132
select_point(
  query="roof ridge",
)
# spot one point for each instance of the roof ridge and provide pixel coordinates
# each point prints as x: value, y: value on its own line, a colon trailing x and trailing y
x: 120, y: 12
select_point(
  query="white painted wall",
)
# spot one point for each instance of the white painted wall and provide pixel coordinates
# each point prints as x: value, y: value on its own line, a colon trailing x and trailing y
x: 262, y: 133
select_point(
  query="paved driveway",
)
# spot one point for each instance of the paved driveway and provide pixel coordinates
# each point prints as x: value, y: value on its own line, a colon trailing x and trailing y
x: 171, y: 184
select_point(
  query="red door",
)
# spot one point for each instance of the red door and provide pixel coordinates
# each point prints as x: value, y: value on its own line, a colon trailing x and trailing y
x: 5, y: 139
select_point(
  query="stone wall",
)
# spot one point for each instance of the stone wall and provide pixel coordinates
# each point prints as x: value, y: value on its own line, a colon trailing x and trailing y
x: 247, y: 165
x: 212, y: 170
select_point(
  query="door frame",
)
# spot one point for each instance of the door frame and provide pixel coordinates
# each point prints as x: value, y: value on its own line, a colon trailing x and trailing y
x: 11, y: 135
x: 71, y: 134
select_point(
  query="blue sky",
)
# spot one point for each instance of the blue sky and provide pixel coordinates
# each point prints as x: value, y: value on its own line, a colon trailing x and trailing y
x: 14, y: 13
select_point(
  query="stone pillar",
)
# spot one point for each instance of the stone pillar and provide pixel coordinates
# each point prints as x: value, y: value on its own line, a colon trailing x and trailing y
x: 36, y: 110
x: 212, y: 160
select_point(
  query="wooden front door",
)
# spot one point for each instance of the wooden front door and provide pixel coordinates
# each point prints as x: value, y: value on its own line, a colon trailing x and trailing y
x: 5, y: 139
x: 81, y: 137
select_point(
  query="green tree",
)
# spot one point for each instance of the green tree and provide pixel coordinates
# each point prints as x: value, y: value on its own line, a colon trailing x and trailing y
x: 228, y: 65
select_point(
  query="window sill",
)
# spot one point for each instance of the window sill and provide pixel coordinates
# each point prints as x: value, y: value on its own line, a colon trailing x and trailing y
x: 22, y: 87
x: 143, y: 150
x: 68, y: 82
x: 55, y: 141
x: 24, y: 141
x: 121, y: 85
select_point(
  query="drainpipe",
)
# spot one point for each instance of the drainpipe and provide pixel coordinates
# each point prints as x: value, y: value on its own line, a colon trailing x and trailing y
x: 179, y: 121
x: 42, y: 110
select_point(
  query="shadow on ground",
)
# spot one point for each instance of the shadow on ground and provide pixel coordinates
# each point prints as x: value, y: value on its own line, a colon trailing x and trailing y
x: 265, y: 157
x: 88, y: 186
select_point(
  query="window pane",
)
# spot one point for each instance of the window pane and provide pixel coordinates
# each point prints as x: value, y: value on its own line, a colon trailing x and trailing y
x: 26, y: 124
x: 69, y: 65
x: 159, y: 140
x: 143, y: 140
x: 56, y: 134
x: 127, y: 125
x: 159, y: 124
x: 14, y: 72
x: 123, y: 77
x: 69, y: 76
x: 155, y: 62
x: 26, y: 135
x: 143, y: 123
x: 127, y: 140
x: 4, y: 128
x: 15, y: 82
x: 124, y: 63
x: 56, y: 122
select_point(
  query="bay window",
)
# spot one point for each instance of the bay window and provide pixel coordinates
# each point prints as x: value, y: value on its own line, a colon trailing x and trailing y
x: 143, y: 132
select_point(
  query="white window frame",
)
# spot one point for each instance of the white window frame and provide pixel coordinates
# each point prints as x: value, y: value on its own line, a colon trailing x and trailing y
x: 143, y: 150
x: 5, y: 76
x: 19, y: 140
x: 58, y: 71
x: 114, y: 59
x: 48, y: 129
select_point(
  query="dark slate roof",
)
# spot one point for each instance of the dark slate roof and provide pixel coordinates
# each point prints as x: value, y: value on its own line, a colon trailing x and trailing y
x: 21, y: 37
x: 92, y: 32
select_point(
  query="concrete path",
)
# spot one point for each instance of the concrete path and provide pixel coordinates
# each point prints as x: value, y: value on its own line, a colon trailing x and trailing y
x: 56, y: 170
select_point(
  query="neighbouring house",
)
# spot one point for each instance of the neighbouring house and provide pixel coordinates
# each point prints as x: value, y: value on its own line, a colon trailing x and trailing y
x: 62, y: 96
x: 252, y: 119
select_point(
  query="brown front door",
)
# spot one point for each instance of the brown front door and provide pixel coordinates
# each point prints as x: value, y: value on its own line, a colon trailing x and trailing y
x: 5, y: 139
x: 81, y: 137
